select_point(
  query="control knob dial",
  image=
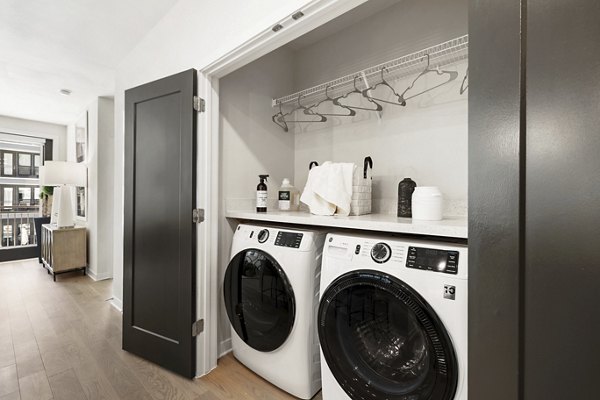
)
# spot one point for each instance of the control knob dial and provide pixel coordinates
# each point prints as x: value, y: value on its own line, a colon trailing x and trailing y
x: 263, y: 235
x: 381, y: 252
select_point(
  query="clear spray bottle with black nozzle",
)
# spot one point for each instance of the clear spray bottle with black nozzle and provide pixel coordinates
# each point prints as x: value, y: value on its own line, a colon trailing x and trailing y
x: 262, y: 195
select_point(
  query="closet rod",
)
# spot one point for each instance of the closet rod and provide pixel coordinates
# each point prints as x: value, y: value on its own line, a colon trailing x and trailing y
x: 441, y: 54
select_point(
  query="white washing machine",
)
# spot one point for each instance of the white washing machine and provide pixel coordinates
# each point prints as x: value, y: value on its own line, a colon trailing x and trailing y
x: 271, y: 293
x: 392, y: 320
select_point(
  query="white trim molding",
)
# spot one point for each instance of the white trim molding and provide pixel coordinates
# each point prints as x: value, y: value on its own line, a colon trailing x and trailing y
x: 316, y: 13
x: 225, y: 347
x: 117, y: 304
x: 97, y: 277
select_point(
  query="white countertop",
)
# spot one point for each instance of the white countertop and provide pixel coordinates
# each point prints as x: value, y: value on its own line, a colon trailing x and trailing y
x: 455, y: 227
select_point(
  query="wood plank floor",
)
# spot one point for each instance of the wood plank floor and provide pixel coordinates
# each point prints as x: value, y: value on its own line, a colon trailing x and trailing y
x: 63, y: 341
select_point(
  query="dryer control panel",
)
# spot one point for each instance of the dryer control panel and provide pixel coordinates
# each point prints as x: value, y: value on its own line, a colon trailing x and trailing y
x: 432, y: 259
x: 393, y: 254
x: 288, y: 239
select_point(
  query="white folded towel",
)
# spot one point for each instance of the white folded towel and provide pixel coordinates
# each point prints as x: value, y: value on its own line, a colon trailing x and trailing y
x: 329, y: 189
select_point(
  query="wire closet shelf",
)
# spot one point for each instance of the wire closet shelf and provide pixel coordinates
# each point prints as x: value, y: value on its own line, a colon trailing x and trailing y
x: 440, y: 55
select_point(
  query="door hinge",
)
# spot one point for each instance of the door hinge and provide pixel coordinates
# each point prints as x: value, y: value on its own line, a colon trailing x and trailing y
x: 199, y: 104
x: 197, y: 215
x: 197, y: 327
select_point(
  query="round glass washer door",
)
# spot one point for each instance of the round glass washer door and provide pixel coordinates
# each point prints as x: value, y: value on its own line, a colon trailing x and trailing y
x: 381, y: 340
x: 259, y: 300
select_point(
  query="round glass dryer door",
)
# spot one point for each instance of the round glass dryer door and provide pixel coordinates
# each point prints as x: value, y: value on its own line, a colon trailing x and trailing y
x: 259, y: 300
x: 381, y: 340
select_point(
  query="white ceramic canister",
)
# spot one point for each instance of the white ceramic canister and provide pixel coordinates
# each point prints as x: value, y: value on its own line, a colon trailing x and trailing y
x: 427, y: 203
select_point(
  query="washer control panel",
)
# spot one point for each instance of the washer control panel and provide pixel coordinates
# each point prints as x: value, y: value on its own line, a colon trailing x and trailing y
x: 391, y: 254
x: 432, y: 260
x: 288, y: 239
x: 381, y: 252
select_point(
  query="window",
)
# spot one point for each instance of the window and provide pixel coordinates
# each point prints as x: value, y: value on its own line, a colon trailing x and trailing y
x: 7, y: 235
x: 19, y: 179
x: 36, y: 164
x: 24, y: 234
x: 7, y: 164
x: 24, y: 168
x: 25, y: 196
x: 7, y: 197
x: 36, y: 196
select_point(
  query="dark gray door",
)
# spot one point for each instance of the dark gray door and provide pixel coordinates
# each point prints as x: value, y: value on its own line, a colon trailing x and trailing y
x: 534, y: 191
x: 160, y: 237
x: 562, y: 170
x: 495, y: 211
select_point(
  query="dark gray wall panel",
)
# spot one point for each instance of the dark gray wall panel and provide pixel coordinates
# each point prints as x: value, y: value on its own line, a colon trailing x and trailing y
x: 562, y: 317
x: 158, y: 147
x: 494, y: 198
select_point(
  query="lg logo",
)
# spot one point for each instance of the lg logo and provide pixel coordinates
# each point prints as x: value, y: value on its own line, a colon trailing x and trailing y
x: 449, y: 292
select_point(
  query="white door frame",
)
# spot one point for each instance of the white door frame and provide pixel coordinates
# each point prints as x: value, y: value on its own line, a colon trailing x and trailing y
x: 316, y: 13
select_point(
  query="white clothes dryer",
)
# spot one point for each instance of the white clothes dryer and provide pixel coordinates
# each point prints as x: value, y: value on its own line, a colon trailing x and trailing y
x: 271, y: 293
x: 392, y: 320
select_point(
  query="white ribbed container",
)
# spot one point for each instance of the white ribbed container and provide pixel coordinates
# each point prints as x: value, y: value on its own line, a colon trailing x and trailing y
x: 427, y: 203
x: 361, y: 193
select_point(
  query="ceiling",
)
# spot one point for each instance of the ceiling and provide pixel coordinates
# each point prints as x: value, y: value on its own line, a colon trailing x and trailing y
x: 344, y: 21
x: 48, y: 45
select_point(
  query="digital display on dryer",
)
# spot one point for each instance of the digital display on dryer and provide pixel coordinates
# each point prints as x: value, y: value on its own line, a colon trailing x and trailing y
x: 288, y: 239
x: 432, y: 260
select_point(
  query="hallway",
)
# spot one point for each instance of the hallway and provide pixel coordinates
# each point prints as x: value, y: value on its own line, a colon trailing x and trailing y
x: 63, y: 341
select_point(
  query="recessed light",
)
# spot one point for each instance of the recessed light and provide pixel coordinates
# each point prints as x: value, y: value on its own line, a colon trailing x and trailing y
x: 66, y: 92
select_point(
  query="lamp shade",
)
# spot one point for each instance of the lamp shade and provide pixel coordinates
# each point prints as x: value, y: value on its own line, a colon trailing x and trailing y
x: 55, y: 173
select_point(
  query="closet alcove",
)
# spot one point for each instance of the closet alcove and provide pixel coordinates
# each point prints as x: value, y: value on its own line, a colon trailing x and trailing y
x: 425, y: 139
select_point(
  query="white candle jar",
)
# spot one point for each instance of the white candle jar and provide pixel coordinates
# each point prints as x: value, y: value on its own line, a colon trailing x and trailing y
x: 427, y: 203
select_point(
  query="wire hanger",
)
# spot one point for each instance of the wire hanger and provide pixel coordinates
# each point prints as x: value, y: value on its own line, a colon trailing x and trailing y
x: 464, y: 88
x: 384, y: 83
x: 452, y: 75
x: 350, y: 113
x: 306, y: 110
x: 336, y: 101
x: 278, y: 119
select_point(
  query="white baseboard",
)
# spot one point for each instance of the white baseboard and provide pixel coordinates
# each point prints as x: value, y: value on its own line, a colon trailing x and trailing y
x: 224, y: 347
x: 116, y: 303
x: 98, y: 277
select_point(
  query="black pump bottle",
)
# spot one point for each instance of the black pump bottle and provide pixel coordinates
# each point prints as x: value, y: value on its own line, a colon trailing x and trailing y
x: 262, y: 195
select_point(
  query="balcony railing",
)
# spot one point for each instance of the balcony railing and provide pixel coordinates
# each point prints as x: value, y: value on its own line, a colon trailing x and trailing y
x: 18, y: 228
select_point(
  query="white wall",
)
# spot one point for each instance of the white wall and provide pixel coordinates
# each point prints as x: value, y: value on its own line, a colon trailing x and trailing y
x: 105, y: 180
x: 100, y: 186
x: 426, y: 140
x: 408, y: 26
x: 192, y: 34
x: 25, y: 127
x: 250, y: 146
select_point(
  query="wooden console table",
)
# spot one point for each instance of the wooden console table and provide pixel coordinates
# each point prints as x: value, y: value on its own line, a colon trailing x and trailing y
x: 64, y: 249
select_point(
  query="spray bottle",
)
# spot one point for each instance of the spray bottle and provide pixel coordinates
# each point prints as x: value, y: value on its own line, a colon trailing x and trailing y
x: 262, y: 195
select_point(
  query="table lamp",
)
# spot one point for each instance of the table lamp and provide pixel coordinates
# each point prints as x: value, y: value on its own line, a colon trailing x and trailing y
x: 62, y: 174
